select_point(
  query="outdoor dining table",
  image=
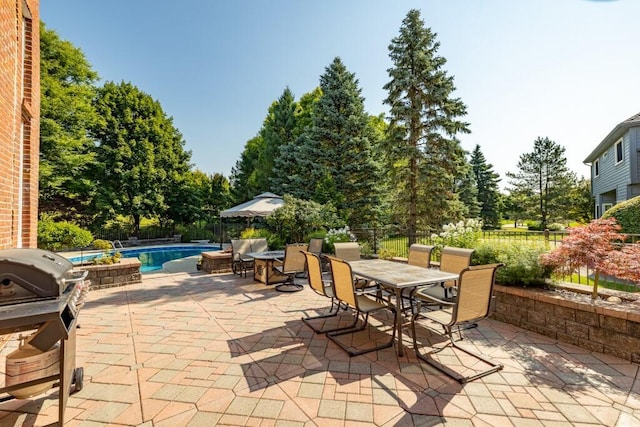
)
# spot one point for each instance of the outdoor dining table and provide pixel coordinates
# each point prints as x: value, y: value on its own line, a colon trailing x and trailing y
x: 263, y: 267
x: 398, y: 276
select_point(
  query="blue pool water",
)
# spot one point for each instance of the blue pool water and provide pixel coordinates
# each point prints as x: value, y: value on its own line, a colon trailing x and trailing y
x: 153, y: 258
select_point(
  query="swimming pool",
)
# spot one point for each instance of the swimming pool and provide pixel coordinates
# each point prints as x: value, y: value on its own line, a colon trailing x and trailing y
x: 152, y: 258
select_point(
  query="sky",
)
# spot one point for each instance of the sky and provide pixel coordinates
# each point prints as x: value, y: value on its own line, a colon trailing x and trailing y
x: 562, y: 69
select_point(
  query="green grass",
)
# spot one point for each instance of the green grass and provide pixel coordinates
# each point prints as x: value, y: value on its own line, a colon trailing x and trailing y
x: 580, y: 279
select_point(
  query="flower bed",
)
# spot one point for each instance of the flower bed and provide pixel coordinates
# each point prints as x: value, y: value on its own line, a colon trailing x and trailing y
x: 125, y: 272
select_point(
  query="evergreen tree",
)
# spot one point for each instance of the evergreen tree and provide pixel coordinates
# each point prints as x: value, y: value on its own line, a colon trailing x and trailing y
x: 289, y: 177
x: 277, y: 131
x: 140, y: 154
x: 66, y: 151
x: 544, y: 175
x: 424, y: 154
x: 467, y: 190
x: 244, y: 181
x: 488, y: 190
x: 336, y: 150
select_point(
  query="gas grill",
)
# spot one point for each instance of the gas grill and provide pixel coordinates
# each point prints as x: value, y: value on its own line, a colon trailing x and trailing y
x: 40, y: 290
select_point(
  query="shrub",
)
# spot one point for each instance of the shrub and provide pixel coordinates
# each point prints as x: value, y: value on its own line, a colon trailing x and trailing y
x: 627, y: 214
x: 338, y: 235
x: 108, y: 259
x: 464, y: 234
x: 56, y: 236
x: 521, y: 266
x: 556, y: 226
x: 274, y: 241
x: 533, y: 225
x: 104, y: 245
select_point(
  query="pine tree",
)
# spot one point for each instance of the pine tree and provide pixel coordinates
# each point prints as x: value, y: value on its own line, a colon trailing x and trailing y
x: 335, y: 152
x: 423, y: 151
x: 488, y: 190
x: 544, y: 174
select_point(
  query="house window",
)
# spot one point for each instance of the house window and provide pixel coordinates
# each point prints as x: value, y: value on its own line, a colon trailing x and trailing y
x: 619, y: 154
x: 606, y: 207
x: 596, y: 168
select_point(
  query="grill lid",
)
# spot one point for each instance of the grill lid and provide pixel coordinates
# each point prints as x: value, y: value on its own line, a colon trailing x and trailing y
x: 42, y: 272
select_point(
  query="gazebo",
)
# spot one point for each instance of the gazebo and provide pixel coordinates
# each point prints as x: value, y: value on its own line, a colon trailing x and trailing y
x: 260, y: 206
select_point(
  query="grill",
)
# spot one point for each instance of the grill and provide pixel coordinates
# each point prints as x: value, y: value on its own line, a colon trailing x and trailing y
x: 40, y: 290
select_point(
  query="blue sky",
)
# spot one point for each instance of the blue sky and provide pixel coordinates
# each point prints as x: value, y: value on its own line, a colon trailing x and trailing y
x: 564, y: 69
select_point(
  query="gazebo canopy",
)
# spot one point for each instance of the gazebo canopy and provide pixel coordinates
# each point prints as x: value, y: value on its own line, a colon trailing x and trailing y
x: 261, y: 205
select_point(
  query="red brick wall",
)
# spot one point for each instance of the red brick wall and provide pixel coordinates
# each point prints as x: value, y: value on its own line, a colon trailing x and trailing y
x: 19, y: 114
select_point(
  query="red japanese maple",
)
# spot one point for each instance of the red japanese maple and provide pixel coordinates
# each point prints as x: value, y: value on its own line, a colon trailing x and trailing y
x: 598, y: 246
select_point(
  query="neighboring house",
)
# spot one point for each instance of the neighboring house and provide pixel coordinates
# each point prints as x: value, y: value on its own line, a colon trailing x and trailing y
x: 615, y: 166
x: 19, y: 122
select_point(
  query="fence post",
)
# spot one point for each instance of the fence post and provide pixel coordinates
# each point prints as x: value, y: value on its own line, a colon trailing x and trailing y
x: 546, y: 238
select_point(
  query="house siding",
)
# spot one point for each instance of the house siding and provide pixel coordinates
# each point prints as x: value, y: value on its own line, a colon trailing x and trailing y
x: 19, y: 122
x: 613, y: 177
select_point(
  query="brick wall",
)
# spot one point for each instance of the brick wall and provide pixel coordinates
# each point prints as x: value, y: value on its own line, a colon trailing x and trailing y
x: 19, y: 122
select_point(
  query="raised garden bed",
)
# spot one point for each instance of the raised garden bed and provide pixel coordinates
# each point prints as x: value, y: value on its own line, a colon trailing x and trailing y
x: 569, y: 316
x: 125, y: 272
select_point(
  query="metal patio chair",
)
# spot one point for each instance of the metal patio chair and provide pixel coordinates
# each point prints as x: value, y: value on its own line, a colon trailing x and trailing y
x: 472, y: 303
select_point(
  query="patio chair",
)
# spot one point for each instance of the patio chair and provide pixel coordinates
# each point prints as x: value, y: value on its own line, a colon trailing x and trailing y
x: 346, y: 293
x: 452, y: 260
x: 292, y: 264
x: 347, y: 251
x: 259, y: 245
x: 472, y: 303
x: 315, y: 245
x: 240, y: 261
x: 419, y: 255
x: 321, y: 284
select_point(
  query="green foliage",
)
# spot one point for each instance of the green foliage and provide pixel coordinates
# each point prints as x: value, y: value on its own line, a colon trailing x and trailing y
x: 102, y: 244
x: 66, y: 152
x: 488, y: 190
x: 274, y: 241
x: 140, y: 154
x: 533, y: 225
x: 298, y: 218
x: 544, y: 180
x: 244, y: 182
x: 556, y: 226
x: 424, y: 156
x: 108, y: 259
x: 627, y: 214
x: 521, y: 265
x: 56, y: 236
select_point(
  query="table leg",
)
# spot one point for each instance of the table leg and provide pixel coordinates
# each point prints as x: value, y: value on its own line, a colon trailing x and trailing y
x: 399, y: 319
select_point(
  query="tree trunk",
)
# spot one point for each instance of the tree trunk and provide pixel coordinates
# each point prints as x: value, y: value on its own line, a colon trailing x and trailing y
x: 596, y: 279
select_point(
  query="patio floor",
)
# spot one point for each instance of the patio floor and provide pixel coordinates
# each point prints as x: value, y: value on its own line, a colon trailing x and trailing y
x: 192, y: 349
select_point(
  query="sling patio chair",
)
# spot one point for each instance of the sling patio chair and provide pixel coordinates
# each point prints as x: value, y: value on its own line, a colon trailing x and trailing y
x: 240, y: 261
x: 321, y: 284
x: 419, y: 255
x: 350, y: 251
x: 472, y: 303
x: 315, y: 245
x: 346, y: 293
x: 452, y: 260
x: 292, y: 265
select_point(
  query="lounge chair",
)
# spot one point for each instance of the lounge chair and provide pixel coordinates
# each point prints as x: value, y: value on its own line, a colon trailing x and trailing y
x: 472, y: 303
x: 240, y: 261
x: 346, y: 292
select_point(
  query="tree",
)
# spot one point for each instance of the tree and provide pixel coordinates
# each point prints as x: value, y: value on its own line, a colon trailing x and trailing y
x: 220, y: 195
x: 140, y: 154
x: 467, y: 190
x: 277, y: 131
x: 424, y: 154
x: 289, y: 177
x: 598, y: 246
x: 297, y: 218
x: 544, y: 175
x: 334, y: 155
x: 66, y: 151
x: 244, y: 182
x: 488, y: 191
x: 582, y: 204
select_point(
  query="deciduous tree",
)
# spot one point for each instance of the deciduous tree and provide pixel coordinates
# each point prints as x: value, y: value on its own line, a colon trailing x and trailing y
x: 140, y: 154
x: 66, y: 151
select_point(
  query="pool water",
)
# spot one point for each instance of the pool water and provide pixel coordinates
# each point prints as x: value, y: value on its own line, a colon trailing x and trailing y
x: 153, y: 258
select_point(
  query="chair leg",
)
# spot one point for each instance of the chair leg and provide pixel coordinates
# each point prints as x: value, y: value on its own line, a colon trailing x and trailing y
x: 493, y: 366
x: 351, y: 352
x: 331, y: 313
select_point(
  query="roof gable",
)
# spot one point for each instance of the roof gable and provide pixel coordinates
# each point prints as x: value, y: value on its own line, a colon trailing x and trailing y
x: 632, y: 121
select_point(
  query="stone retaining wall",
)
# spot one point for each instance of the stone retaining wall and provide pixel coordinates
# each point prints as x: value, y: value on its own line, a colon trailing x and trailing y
x: 126, y: 272
x: 609, y: 328
x: 216, y: 262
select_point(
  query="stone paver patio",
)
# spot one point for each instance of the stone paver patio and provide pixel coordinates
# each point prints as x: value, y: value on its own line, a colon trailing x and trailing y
x: 192, y: 349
